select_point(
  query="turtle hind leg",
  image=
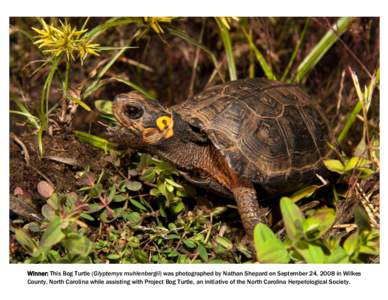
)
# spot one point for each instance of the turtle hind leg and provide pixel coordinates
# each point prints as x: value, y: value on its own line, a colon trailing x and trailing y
x: 248, y: 207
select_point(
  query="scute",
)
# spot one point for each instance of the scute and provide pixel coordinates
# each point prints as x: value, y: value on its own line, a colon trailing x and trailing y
x: 270, y: 132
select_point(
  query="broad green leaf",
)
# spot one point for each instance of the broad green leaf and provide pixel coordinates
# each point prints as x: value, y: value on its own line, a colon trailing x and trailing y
x: 334, y: 166
x: 356, y: 162
x: 78, y: 244
x: 269, y: 249
x: 119, y: 198
x: 113, y: 256
x: 173, y: 183
x: 103, y: 106
x: 312, y: 254
x: 53, y: 234
x: 224, y: 242
x: 351, y: 243
x: 339, y: 256
x: 137, y: 204
x: 133, y: 241
x: 133, y: 185
x: 361, y: 219
x: 48, y: 212
x: 189, y: 243
x: 202, y: 252
x: 292, y: 217
x: 178, y: 207
x: 134, y: 218
x: 304, y: 193
x: 318, y: 224
x: 26, y: 240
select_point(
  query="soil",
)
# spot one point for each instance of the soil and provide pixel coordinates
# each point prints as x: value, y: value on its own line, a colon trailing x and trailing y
x: 64, y: 156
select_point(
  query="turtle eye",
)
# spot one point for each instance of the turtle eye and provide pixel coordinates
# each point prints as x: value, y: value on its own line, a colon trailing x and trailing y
x: 133, y: 112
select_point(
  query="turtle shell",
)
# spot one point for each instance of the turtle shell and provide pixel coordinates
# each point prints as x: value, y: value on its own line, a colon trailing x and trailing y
x: 270, y: 133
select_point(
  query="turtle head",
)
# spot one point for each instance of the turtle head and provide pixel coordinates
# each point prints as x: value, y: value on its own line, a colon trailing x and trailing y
x: 145, y: 120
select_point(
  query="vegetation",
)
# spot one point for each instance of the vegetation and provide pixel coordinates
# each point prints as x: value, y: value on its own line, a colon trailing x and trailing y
x: 76, y: 197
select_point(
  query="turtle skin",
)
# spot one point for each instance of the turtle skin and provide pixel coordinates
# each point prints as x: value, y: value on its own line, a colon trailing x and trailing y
x: 270, y: 133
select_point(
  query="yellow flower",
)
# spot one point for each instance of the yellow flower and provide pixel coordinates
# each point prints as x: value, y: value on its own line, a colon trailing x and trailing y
x: 63, y: 39
x: 153, y: 22
x: 226, y: 21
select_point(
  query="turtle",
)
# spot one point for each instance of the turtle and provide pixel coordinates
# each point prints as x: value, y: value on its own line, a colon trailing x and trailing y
x: 235, y: 138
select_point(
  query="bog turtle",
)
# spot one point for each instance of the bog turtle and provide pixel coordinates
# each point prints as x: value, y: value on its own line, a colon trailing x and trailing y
x: 235, y: 138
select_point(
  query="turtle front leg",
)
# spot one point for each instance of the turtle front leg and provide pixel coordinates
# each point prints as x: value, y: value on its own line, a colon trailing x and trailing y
x: 248, y: 207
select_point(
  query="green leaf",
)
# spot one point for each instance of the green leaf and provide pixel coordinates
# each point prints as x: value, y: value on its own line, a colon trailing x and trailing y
x: 113, y: 256
x: 334, y: 166
x: 178, y: 207
x: 78, y: 244
x: 318, y: 224
x: 361, y: 219
x: 322, y: 47
x: 224, y: 242
x: 292, y: 217
x: 202, y: 252
x: 351, y: 244
x: 312, y: 253
x: 338, y: 256
x: 173, y: 183
x: 53, y: 234
x: 189, y: 243
x: 26, y: 240
x: 104, y: 106
x: 304, y: 193
x: 133, y: 241
x: 134, y: 185
x: 269, y: 249
x: 48, y: 212
x: 134, y: 218
x: 119, y: 198
x: 356, y: 162
x: 137, y: 204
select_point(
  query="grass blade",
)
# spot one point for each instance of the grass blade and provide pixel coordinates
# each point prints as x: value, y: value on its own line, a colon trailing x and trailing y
x: 95, y: 141
x: 359, y: 105
x: 260, y: 58
x: 134, y: 86
x: 112, y: 22
x: 296, y: 50
x: 93, y: 87
x: 34, y: 121
x: 190, y: 40
x: 322, y: 47
x: 228, y: 49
